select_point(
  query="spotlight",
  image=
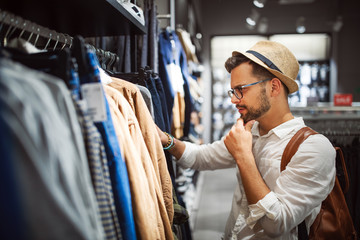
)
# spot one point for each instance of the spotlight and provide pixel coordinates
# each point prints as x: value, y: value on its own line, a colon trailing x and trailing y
x: 259, y: 3
x: 253, y: 18
x: 250, y: 21
x: 338, y: 24
x: 300, y: 25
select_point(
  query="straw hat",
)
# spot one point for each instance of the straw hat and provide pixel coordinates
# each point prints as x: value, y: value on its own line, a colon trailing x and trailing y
x: 277, y: 59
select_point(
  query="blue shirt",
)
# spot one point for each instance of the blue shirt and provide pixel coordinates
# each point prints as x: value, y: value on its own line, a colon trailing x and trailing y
x: 117, y: 167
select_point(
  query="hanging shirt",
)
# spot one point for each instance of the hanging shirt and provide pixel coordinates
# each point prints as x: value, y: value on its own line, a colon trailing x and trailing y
x: 148, y: 99
x: 158, y: 113
x: 98, y: 163
x: 172, y: 58
x: 117, y: 166
x: 99, y: 173
x: 177, y: 127
x: 49, y: 156
x: 296, y: 193
x: 187, y: 45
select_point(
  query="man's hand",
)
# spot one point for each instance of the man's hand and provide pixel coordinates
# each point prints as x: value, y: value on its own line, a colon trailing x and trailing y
x: 239, y: 143
x: 239, y: 140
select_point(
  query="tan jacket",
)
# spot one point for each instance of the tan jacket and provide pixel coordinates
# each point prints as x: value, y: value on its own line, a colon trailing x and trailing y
x: 152, y: 140
x: 144, y: 209
x: 122, y: 103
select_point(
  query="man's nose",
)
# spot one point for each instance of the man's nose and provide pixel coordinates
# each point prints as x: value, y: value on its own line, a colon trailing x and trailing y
x: 234, y: 99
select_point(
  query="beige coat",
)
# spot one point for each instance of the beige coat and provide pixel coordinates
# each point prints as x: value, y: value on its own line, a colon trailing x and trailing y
x: 142, y: 137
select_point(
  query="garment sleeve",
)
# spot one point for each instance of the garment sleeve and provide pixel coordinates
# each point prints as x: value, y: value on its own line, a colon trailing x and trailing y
x: 300, y: 189
x: 207, y: 156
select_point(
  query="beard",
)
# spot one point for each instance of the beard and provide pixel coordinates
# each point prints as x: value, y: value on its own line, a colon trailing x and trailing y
x: 255, y: 113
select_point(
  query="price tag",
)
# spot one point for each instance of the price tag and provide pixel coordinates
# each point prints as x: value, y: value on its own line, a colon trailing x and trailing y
x: 95, y: 101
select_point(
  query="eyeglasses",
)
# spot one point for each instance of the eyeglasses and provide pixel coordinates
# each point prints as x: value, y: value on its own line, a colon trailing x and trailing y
x: 237, y: 91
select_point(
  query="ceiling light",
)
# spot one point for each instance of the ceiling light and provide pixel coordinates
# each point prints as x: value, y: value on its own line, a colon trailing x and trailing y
x: 259, y: 3
x: 253, y: 18
x: 300, y: 25
x: 338, y: 24
x: 250, y: 21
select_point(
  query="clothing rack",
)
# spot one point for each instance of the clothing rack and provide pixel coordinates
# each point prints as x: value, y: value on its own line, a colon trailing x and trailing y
x: 31, y: 32
x: 338, y: 123
x: 335, y: 133
x: 24, y: 26
x: 338, y: 131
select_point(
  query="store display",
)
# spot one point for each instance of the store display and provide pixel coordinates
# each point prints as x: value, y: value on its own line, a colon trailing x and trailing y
x: 313, y: 84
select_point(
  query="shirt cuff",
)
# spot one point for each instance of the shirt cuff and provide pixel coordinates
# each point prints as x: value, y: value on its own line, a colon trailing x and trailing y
x: 187, y: 160
x: 261, y: 208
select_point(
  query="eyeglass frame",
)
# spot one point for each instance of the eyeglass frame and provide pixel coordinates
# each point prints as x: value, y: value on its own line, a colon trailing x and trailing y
x: 232, y: 92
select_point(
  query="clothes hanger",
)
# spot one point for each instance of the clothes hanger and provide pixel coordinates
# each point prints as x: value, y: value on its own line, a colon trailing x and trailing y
x: 111, y: 62
x: 4, y: 40
x: 133, y: 77
x: 65, y: 39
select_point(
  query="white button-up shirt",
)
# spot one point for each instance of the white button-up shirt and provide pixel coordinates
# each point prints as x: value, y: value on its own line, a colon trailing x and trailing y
x: 296, y: 193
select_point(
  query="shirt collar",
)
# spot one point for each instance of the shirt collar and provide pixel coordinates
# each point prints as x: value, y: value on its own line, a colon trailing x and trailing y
x: 281, y: 130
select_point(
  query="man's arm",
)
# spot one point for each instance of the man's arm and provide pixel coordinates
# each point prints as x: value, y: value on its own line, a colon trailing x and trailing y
x: 179, y: 147
x: 200, y: 157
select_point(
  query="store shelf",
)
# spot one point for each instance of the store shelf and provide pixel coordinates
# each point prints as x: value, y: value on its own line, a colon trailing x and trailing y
x: 77, y: 17
x: 326, y: 111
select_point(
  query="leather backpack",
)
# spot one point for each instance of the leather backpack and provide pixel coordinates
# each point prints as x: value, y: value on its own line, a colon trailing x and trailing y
x: 334, y: 220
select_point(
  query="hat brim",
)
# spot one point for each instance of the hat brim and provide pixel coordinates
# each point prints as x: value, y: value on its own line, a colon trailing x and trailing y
x: 289, y: 82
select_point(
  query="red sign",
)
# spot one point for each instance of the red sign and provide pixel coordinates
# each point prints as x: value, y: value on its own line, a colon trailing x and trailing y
x: 343, y: 99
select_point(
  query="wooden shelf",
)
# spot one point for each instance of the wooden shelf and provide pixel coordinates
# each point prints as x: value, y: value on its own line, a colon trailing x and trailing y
x: 92, y: 18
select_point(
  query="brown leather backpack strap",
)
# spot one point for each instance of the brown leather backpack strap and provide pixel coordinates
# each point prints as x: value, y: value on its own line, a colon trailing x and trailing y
x: 293, y: 145
x: 343, y: 166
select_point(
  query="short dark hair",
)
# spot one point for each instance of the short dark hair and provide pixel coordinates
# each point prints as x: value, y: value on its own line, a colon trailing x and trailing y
x: 257, y: 70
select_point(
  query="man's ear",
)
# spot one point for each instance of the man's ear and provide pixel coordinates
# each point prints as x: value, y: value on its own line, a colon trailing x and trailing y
x: 275, y: 86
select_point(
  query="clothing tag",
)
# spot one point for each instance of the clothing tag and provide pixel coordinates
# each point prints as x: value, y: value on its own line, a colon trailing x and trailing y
x: 176, y: 77
x: 94, y: 96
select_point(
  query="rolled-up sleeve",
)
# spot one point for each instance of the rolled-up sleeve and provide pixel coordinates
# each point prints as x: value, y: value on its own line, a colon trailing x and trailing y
x: 261, y: 208
x: 300, y: 189
x: 207, y: 156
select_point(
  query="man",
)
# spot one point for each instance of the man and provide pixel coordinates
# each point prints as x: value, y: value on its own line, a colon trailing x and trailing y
x: 267, y: 204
